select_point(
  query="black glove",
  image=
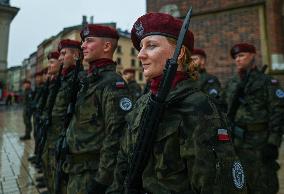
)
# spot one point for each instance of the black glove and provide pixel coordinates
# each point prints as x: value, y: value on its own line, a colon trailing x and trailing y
x: 269, y: 152
x: 96, y: 188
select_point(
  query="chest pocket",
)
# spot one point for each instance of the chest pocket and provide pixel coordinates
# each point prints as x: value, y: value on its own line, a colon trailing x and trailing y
x: 255, y: 94
x: 166, y: 151
x: 89, y: 103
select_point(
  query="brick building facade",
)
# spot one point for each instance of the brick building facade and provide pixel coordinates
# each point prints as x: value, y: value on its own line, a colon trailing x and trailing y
x: 219, y: 24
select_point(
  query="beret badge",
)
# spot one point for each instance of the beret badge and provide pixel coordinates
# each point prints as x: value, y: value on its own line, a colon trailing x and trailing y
x: 86, y: 31
x: 139, y: 29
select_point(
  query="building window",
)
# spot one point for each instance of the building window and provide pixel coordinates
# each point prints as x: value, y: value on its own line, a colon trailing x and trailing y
x: 133, y: 62
x: 140, y: 76
x: 119, y: 50
x: 133, y: 51
x: 118, y: 61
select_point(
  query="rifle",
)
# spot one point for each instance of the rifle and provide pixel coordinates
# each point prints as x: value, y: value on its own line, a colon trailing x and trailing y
x: 47, y: 122
x: 61, y: 146
x: 154, y: 111
x: 263, y: 68
x: 38, y: 113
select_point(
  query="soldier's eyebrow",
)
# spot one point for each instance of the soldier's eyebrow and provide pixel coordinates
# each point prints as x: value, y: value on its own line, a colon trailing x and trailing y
x: 89, y: 38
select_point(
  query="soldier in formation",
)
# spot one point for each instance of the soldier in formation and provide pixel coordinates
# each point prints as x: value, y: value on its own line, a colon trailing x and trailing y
x: 255, y: 108
x: 208, y: 83
x: 97, y: 125
x: 27, y: 109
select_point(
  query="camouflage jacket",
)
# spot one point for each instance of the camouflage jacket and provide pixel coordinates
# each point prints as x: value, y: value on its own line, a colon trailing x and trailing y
x: 209, y: 84
x: 60, y: 109
x: 96, y: 127
x: 27, y: 101
x: 37, y: 95
x: 188, y: 153
x: 261, y: 109
x: 135, y: 89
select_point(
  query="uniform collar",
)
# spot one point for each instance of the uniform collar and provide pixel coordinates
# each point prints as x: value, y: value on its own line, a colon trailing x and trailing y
x: 66, y: 71
x: 156, y: 81
x: 99, y: 63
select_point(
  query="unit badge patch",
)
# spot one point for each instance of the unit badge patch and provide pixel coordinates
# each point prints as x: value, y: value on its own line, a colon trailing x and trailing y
x: 279, y: 93
x: 125, y: 104
x: 238, y: 175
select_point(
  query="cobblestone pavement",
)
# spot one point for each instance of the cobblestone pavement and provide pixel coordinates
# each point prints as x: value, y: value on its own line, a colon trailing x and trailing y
x: 17, y: 175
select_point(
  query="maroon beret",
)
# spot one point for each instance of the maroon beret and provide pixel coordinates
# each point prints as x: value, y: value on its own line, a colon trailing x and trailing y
x: 159, y: 24
x: 242, y: 47
x: 197, y: 51
x: 128, y: 70
x: 95, y: 30
x: 26, y: 81
x: 67, y: 43
x: 39, y: 73
x: 53, y: 55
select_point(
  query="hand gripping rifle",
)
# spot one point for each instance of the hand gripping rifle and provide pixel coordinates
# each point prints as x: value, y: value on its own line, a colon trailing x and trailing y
x: 61, y: 146
x: 47, y: 122
x: 154, y: 111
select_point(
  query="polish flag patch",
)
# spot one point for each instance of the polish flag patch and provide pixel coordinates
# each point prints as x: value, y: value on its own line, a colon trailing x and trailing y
x: 223, y: 135
x: 119, y: 84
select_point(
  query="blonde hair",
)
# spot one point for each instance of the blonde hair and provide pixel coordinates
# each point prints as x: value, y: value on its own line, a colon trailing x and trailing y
x: 185, y: 61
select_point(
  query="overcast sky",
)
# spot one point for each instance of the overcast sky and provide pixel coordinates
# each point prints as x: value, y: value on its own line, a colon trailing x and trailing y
x: 41, y: 19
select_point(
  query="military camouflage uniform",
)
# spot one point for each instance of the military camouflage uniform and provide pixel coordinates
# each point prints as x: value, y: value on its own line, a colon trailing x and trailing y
x: 36, y: 103
x: 27, y: 111
x: 260, y: 117
x: 188, y: 156
x: 209, y: 84
x: 135, y: 89
x: 45, y: 154
x: 58, y: 115
x: 95, y: 130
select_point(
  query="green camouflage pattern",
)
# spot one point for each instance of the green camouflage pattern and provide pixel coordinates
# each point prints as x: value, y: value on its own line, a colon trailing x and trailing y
x: 260, y: 114
x: 78, y: 183
x: 209, y: 84
x: 38, y: 95
x: 96, y: 127
x: 134, y: 89
x: 187, y: 156
x: 47, y: 161
x: 60, y: 109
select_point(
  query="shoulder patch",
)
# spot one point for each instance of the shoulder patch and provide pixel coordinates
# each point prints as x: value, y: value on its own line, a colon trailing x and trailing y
x: 119, y: 84
x: 238, y: 175
x: 125, y: 104
x: 213, y: 91
x: 211, y: 81
x: 274, y: 81
x: 279, y: 93
x: 222, y: 135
